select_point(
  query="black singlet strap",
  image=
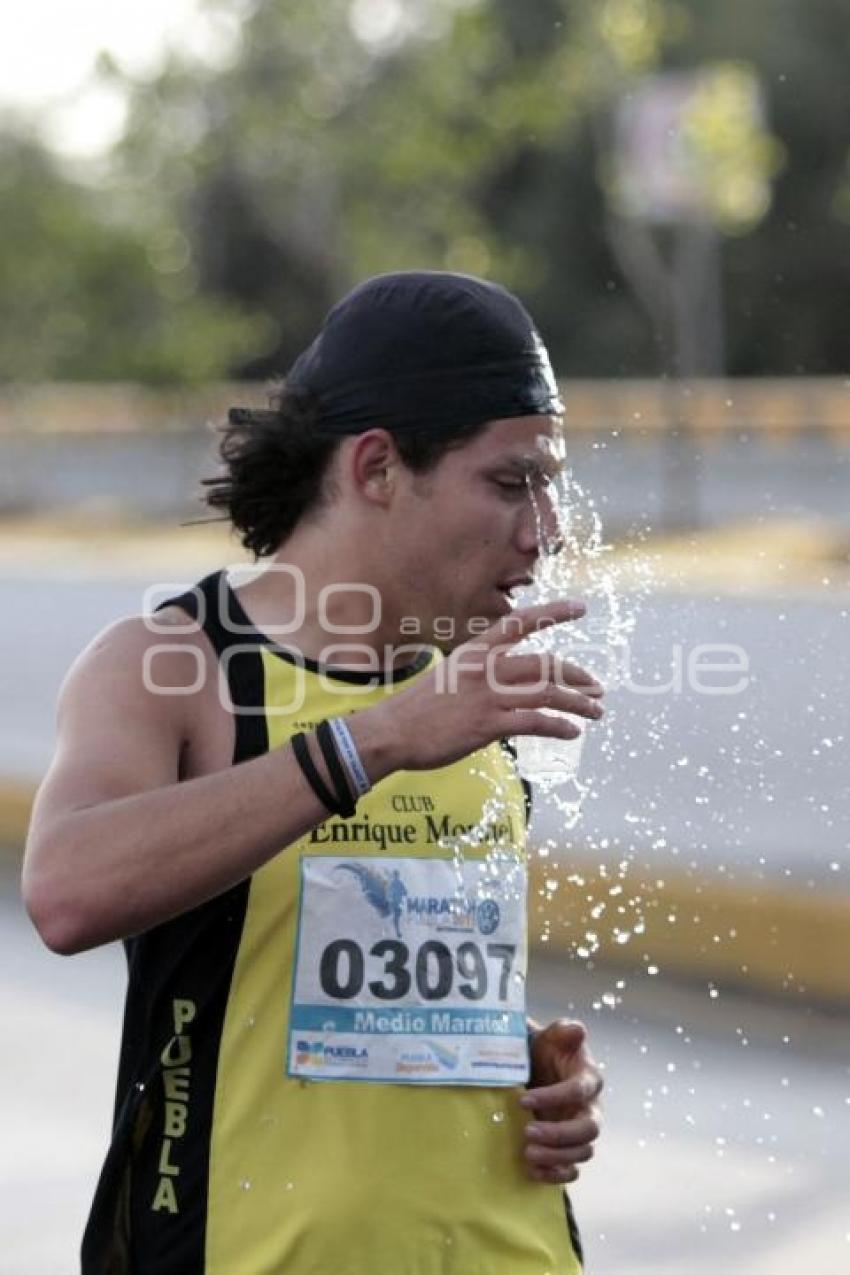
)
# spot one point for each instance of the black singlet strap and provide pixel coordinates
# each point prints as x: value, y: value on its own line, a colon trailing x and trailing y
x: 237, y: 646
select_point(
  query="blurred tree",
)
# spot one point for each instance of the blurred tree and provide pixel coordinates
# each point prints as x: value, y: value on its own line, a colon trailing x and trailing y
x: 356, y: 136
x: 86, y: 297
x: 367, y: 135
x: 786, y: 282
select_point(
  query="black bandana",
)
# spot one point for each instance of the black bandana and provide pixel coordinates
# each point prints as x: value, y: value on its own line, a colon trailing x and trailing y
x: 425, y: 349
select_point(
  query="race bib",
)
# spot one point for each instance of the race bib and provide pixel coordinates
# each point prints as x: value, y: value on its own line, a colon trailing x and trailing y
x: 409, y: 971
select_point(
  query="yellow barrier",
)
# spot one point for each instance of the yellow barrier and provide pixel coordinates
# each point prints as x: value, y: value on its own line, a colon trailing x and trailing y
x: 16, y: 800
x: 746, y: 933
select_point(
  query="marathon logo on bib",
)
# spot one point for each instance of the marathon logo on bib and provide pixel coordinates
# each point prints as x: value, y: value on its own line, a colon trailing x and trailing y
x: 409, y: 971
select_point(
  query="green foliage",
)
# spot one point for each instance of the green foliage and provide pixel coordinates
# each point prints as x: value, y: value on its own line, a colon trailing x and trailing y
x: 86, y: 298
x: 735, y: 155
x: 786, y: 282
x: 339, y: 145
x: 355, y: 136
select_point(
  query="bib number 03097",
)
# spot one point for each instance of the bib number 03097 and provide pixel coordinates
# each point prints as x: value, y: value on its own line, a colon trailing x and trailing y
x: 433, y: 968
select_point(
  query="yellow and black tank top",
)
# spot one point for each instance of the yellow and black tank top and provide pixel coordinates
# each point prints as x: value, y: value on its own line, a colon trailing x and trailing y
x: 223, y: 1164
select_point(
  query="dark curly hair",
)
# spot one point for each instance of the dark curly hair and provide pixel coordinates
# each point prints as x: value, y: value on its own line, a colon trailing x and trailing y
x: 275, y: 460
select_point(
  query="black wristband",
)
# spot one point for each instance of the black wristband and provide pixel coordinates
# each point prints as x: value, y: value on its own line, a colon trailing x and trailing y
x: 345, y: 800
x: 311, y: 774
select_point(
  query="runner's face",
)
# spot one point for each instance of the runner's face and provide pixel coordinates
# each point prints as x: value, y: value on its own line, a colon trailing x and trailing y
x: 477, y: 523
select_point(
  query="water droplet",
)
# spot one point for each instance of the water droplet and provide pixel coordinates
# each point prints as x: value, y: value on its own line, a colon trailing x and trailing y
x: 498, y: 1117
x: 245, y: 1184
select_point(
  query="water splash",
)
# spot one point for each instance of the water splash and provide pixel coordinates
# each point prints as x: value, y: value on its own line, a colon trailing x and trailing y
x: 576, y: 563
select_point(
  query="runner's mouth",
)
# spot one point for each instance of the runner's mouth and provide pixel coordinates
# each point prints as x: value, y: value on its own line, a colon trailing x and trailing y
x: 510, y: 586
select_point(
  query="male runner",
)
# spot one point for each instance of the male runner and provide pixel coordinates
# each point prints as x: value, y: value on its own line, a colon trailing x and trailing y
x: 299, y: 817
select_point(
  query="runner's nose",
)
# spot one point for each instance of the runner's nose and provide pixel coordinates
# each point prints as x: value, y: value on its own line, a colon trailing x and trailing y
x: 539, y: 531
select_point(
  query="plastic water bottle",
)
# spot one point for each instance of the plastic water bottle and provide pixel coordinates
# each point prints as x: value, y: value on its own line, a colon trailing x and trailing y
x: 549, y: 762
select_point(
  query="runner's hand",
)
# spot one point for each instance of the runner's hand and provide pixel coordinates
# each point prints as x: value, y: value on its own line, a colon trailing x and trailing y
x: 565, y: 1083
x: 483, y: 691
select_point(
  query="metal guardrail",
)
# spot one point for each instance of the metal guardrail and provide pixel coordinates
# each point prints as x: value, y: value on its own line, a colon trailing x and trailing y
x: 777, y: 409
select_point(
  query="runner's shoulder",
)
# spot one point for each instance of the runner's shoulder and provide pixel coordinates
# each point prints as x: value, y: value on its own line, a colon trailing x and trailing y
x: 146, y: 655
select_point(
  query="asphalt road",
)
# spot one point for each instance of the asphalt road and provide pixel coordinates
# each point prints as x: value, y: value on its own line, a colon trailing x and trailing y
x: 727, y: 1122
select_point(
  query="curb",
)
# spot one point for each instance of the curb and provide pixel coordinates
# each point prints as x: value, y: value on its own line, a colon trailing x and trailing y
x: 748, y: 934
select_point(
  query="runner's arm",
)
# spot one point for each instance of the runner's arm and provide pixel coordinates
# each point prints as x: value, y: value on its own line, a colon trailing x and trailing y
x: 117, y: 844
